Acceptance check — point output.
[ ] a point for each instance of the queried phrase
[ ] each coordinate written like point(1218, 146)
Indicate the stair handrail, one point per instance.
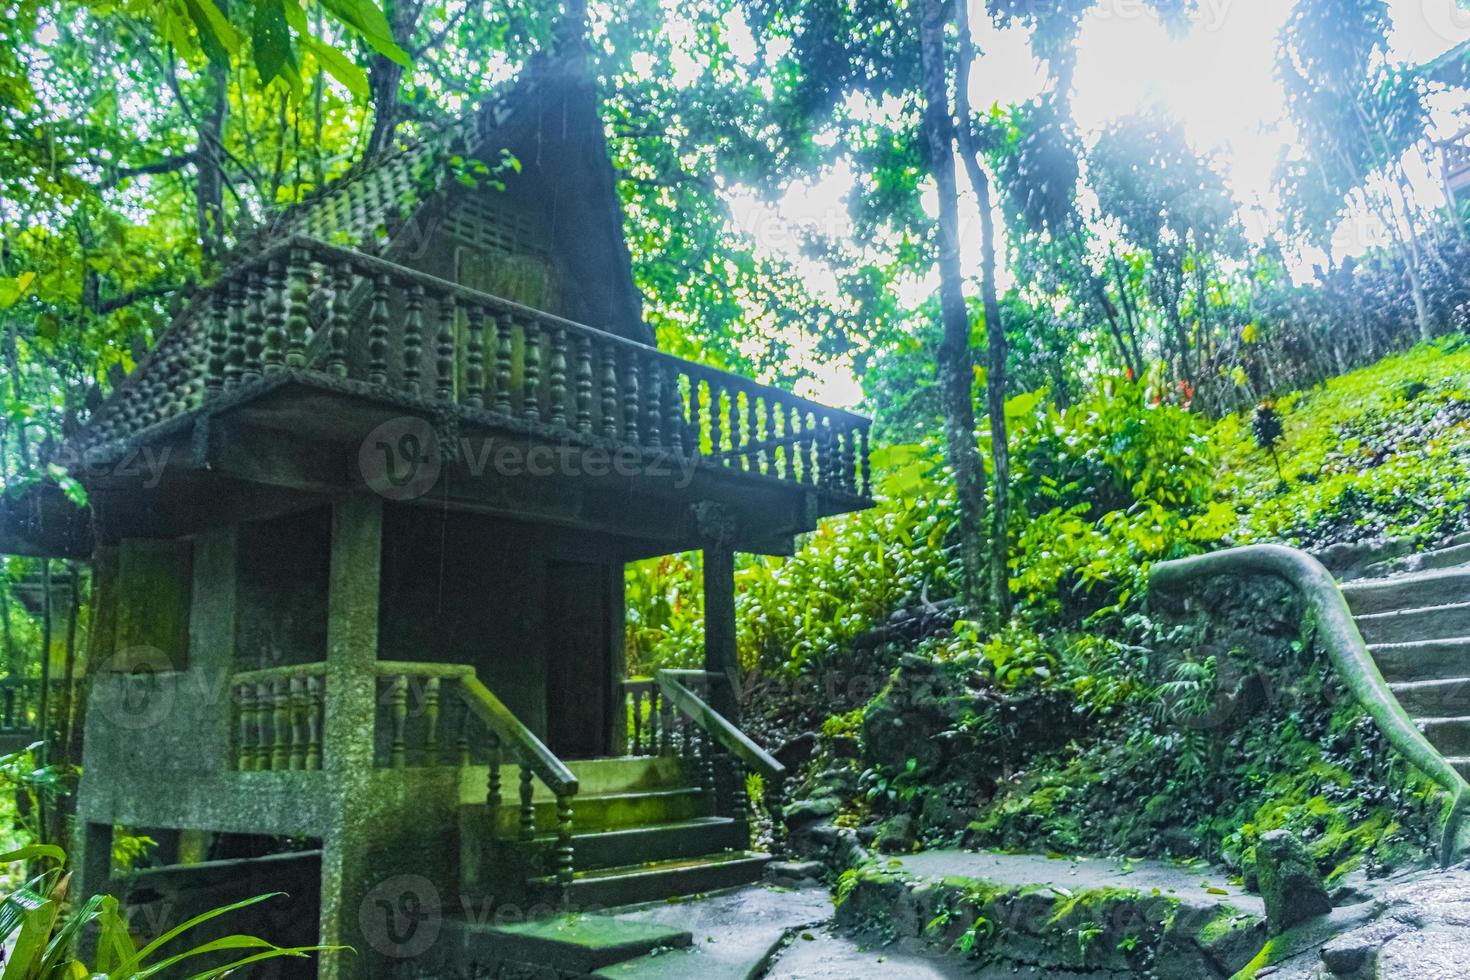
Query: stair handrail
point(716, 725)
point(1346, 649)
point(533, 753)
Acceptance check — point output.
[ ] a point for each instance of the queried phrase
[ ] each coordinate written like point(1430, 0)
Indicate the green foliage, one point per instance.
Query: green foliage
point(846, 577)
point(42, 931)
point(1105, 487)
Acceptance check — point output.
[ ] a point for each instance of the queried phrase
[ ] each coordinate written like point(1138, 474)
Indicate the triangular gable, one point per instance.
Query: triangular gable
point(412, 208)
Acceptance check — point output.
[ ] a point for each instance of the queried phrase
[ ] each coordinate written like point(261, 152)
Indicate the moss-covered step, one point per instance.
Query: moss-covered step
point(656, 880)
point(1445, 698)
point(573, 945)
point(1455, 554)
point(607, 811)
point(595, 777)
point(1026, 912)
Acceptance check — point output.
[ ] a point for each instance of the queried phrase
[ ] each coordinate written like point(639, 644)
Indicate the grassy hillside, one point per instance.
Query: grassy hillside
point(1381, 451)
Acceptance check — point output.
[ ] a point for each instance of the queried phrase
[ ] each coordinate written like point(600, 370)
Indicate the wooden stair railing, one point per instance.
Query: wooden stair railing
point(667, 716)
point(502, 738)
point(278, 724)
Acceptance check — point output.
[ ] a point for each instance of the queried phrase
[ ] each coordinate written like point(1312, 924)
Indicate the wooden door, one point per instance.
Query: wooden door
point(579, 660)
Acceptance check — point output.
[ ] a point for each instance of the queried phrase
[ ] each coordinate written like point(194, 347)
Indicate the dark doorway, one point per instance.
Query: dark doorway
point(578, 659)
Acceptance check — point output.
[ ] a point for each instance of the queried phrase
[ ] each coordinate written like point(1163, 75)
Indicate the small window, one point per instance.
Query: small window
point(154, 587)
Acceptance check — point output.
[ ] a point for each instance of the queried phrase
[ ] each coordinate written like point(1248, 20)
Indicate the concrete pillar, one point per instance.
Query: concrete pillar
point(720, 656)
point(347, 728)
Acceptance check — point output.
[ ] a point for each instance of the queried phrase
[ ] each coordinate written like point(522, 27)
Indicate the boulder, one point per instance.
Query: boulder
point(1290, 885)
point(897, 835)
point(797, 751)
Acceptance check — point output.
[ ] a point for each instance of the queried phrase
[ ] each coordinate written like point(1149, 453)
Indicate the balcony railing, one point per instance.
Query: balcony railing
point(363, 323)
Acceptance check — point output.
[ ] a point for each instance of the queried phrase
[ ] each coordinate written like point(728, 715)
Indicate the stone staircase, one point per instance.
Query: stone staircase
point(1414, 614)
point(646, 829)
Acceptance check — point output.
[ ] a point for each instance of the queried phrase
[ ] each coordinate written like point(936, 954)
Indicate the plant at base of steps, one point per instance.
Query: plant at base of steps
point(41, 930)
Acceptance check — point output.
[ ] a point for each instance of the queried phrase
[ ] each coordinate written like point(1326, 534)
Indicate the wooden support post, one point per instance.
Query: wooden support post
point(720, 656)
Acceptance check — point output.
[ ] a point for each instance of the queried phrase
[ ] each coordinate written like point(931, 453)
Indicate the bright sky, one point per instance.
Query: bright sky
point(1218, 77)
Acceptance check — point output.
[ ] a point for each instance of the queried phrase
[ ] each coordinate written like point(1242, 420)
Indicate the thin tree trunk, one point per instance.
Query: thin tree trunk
point(995, 334)
point(956, 369)
point(209, 193)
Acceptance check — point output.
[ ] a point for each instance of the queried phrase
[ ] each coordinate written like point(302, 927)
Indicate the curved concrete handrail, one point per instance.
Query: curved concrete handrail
point(1345, 646)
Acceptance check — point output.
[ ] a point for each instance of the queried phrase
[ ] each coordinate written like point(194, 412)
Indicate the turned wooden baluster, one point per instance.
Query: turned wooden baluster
point(753, 454)
point(582, 383)
point(707, 765)
point(564, 848)
point(398, 712)
point(314, 707)
point(444, 349)
point(474, 358)
point(768, 459)
point(775, 804)
point(413, 338)
point(528, 807)
point(235, 327)
point(337, 316)
point(462, 744)
point(630, 398)
point(254, 327)
point(377, 344)
point(716, 419)
point(281, 715)
point(809, 464)
point(245, 696)
point(737, 439)
point(531, 395)
point(739, 799)
point(492, 789)
point(654, 413)
point(264, 724)
point(431, 721)
point(504, 358)
point(219, 340)
point(298, 293)
point(696, 425)
point(636, 695)
point(274, 357)
point(864, 463)
point(674, 415)
point(556, 379)
point(609, 391)
point(297, 708)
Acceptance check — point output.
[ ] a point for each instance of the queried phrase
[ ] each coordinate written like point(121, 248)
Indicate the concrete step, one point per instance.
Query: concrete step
point(595, 777)
point(1434, 699)
point(1451, 736)
point(1416, 625)
point(1456, 553)
point(1442, 587)
point(660, 842)
point(558, 946)
point(1431, 660)
point(607, 811)
point(1461, 763)
point(659, 880)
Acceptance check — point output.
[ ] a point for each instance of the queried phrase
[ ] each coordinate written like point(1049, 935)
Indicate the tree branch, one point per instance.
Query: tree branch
point(113, 303)
point(167, 165)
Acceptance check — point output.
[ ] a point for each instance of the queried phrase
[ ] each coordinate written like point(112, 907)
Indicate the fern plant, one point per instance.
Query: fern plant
point(39, 930)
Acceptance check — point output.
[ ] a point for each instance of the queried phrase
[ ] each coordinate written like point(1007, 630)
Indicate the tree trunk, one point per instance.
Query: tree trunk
point(956, 368)
point(995, 334)
point(209, 185)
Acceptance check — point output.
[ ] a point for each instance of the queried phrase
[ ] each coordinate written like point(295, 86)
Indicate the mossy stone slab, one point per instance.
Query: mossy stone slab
point(581, 944)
